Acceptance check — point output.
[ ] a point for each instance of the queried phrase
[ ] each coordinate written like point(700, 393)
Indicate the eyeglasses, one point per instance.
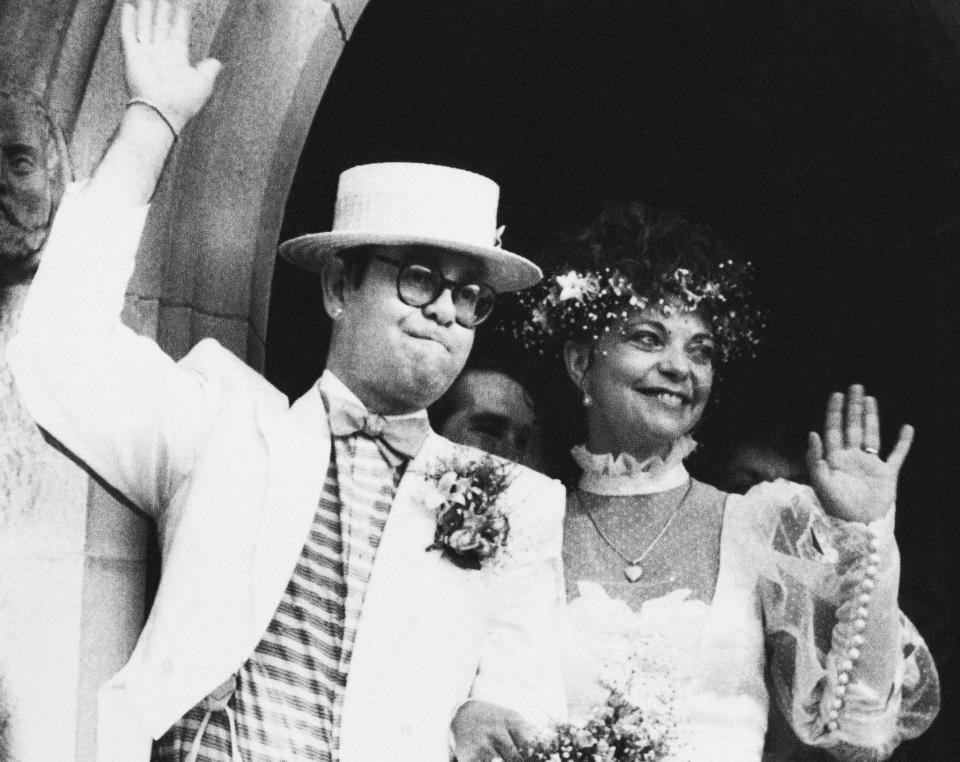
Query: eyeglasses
point(419, 285)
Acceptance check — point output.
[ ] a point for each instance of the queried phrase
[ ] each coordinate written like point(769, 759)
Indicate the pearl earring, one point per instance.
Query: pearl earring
point(587, 399)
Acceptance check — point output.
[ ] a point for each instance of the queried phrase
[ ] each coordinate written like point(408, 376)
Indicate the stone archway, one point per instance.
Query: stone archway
point(204, 269)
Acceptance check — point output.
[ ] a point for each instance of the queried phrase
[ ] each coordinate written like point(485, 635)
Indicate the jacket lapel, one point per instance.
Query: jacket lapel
point(409, 590)
point(402, 566)
point(299, 446)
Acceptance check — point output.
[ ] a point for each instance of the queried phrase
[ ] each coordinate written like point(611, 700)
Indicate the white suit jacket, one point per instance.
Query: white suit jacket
point(232, 474)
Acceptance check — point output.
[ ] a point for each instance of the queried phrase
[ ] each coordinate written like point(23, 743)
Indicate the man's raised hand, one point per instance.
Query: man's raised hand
point(156, 49)
point(163, 87)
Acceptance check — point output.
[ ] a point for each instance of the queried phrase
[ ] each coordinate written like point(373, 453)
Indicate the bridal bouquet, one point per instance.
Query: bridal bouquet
point(622, 669)
point(618, 732)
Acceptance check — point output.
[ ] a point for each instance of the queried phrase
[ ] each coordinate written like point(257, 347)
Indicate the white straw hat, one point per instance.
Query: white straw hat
point(403, 204)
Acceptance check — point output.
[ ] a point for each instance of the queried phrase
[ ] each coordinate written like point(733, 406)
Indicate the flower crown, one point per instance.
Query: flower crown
point(582, 304)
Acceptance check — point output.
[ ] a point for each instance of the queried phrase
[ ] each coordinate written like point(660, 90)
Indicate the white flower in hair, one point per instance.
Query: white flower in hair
point(539, 318)
point(573, 285)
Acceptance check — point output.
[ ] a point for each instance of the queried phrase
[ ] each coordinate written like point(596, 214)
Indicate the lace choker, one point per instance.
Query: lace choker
point(625, 475)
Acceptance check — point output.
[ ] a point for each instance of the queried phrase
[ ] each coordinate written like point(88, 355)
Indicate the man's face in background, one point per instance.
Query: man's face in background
point(30, 183)
point(492, 412)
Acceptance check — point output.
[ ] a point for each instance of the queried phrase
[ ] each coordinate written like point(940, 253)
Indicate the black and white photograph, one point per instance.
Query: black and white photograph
point(479, 380)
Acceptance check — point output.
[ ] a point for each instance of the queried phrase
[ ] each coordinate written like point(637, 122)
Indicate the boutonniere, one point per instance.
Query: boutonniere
point(472, 526)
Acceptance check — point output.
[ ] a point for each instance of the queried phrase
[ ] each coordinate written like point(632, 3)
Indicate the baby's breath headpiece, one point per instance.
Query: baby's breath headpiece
point(664, 262)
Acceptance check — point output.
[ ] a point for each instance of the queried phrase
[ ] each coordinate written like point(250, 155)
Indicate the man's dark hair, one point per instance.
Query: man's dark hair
point(356, 261)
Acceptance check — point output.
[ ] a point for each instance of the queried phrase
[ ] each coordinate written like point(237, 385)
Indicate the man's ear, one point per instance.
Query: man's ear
point(336, 284)
point(577, 357)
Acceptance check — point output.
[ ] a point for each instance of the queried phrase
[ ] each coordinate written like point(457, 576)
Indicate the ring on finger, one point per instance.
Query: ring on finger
point(871, 450)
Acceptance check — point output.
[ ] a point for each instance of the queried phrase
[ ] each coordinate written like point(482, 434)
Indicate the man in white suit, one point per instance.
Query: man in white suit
point(299, 613)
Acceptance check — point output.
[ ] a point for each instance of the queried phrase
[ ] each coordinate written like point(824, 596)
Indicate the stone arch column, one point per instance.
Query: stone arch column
point(206, 259)
point(204, 269)
point(219, 213)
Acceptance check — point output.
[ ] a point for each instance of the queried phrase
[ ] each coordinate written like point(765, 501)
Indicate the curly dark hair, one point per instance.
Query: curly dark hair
point(644, 242)
point(631, 257)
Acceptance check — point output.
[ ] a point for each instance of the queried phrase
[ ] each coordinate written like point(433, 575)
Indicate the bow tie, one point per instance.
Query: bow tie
point(397, 438)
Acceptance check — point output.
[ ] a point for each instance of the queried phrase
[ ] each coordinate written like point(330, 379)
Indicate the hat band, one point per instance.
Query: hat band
point(450, 217)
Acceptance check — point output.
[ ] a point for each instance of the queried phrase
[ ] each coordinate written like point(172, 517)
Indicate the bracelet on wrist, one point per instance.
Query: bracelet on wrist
point(158, 111)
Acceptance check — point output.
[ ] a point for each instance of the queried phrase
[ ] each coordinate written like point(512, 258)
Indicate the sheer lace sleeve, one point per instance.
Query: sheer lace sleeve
point(849, 672)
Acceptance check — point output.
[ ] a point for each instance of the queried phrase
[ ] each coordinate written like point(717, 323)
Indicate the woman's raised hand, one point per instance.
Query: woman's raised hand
point(850, 478)
point(156, 48)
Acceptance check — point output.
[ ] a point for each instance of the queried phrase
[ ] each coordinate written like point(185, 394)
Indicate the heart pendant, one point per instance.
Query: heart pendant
point(632, 572)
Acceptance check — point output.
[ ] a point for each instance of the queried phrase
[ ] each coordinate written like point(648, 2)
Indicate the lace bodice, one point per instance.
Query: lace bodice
point(787, 599)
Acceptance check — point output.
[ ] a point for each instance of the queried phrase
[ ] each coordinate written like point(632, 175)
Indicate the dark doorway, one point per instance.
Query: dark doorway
point(821, 139)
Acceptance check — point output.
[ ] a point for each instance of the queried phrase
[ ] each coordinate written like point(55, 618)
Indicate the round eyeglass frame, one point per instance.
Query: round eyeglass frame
point(439, 284)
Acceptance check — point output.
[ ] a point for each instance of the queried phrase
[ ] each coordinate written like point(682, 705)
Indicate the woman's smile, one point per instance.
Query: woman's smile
point(648, 381)
point(667, 397)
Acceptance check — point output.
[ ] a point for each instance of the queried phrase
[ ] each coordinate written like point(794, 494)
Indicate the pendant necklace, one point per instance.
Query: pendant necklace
point(633, 571)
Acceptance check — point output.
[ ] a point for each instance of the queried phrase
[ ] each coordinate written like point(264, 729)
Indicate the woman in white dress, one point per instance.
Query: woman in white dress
point(717, 603)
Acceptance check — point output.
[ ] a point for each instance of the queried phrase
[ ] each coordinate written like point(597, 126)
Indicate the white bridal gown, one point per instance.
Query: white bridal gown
point(800, 608)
